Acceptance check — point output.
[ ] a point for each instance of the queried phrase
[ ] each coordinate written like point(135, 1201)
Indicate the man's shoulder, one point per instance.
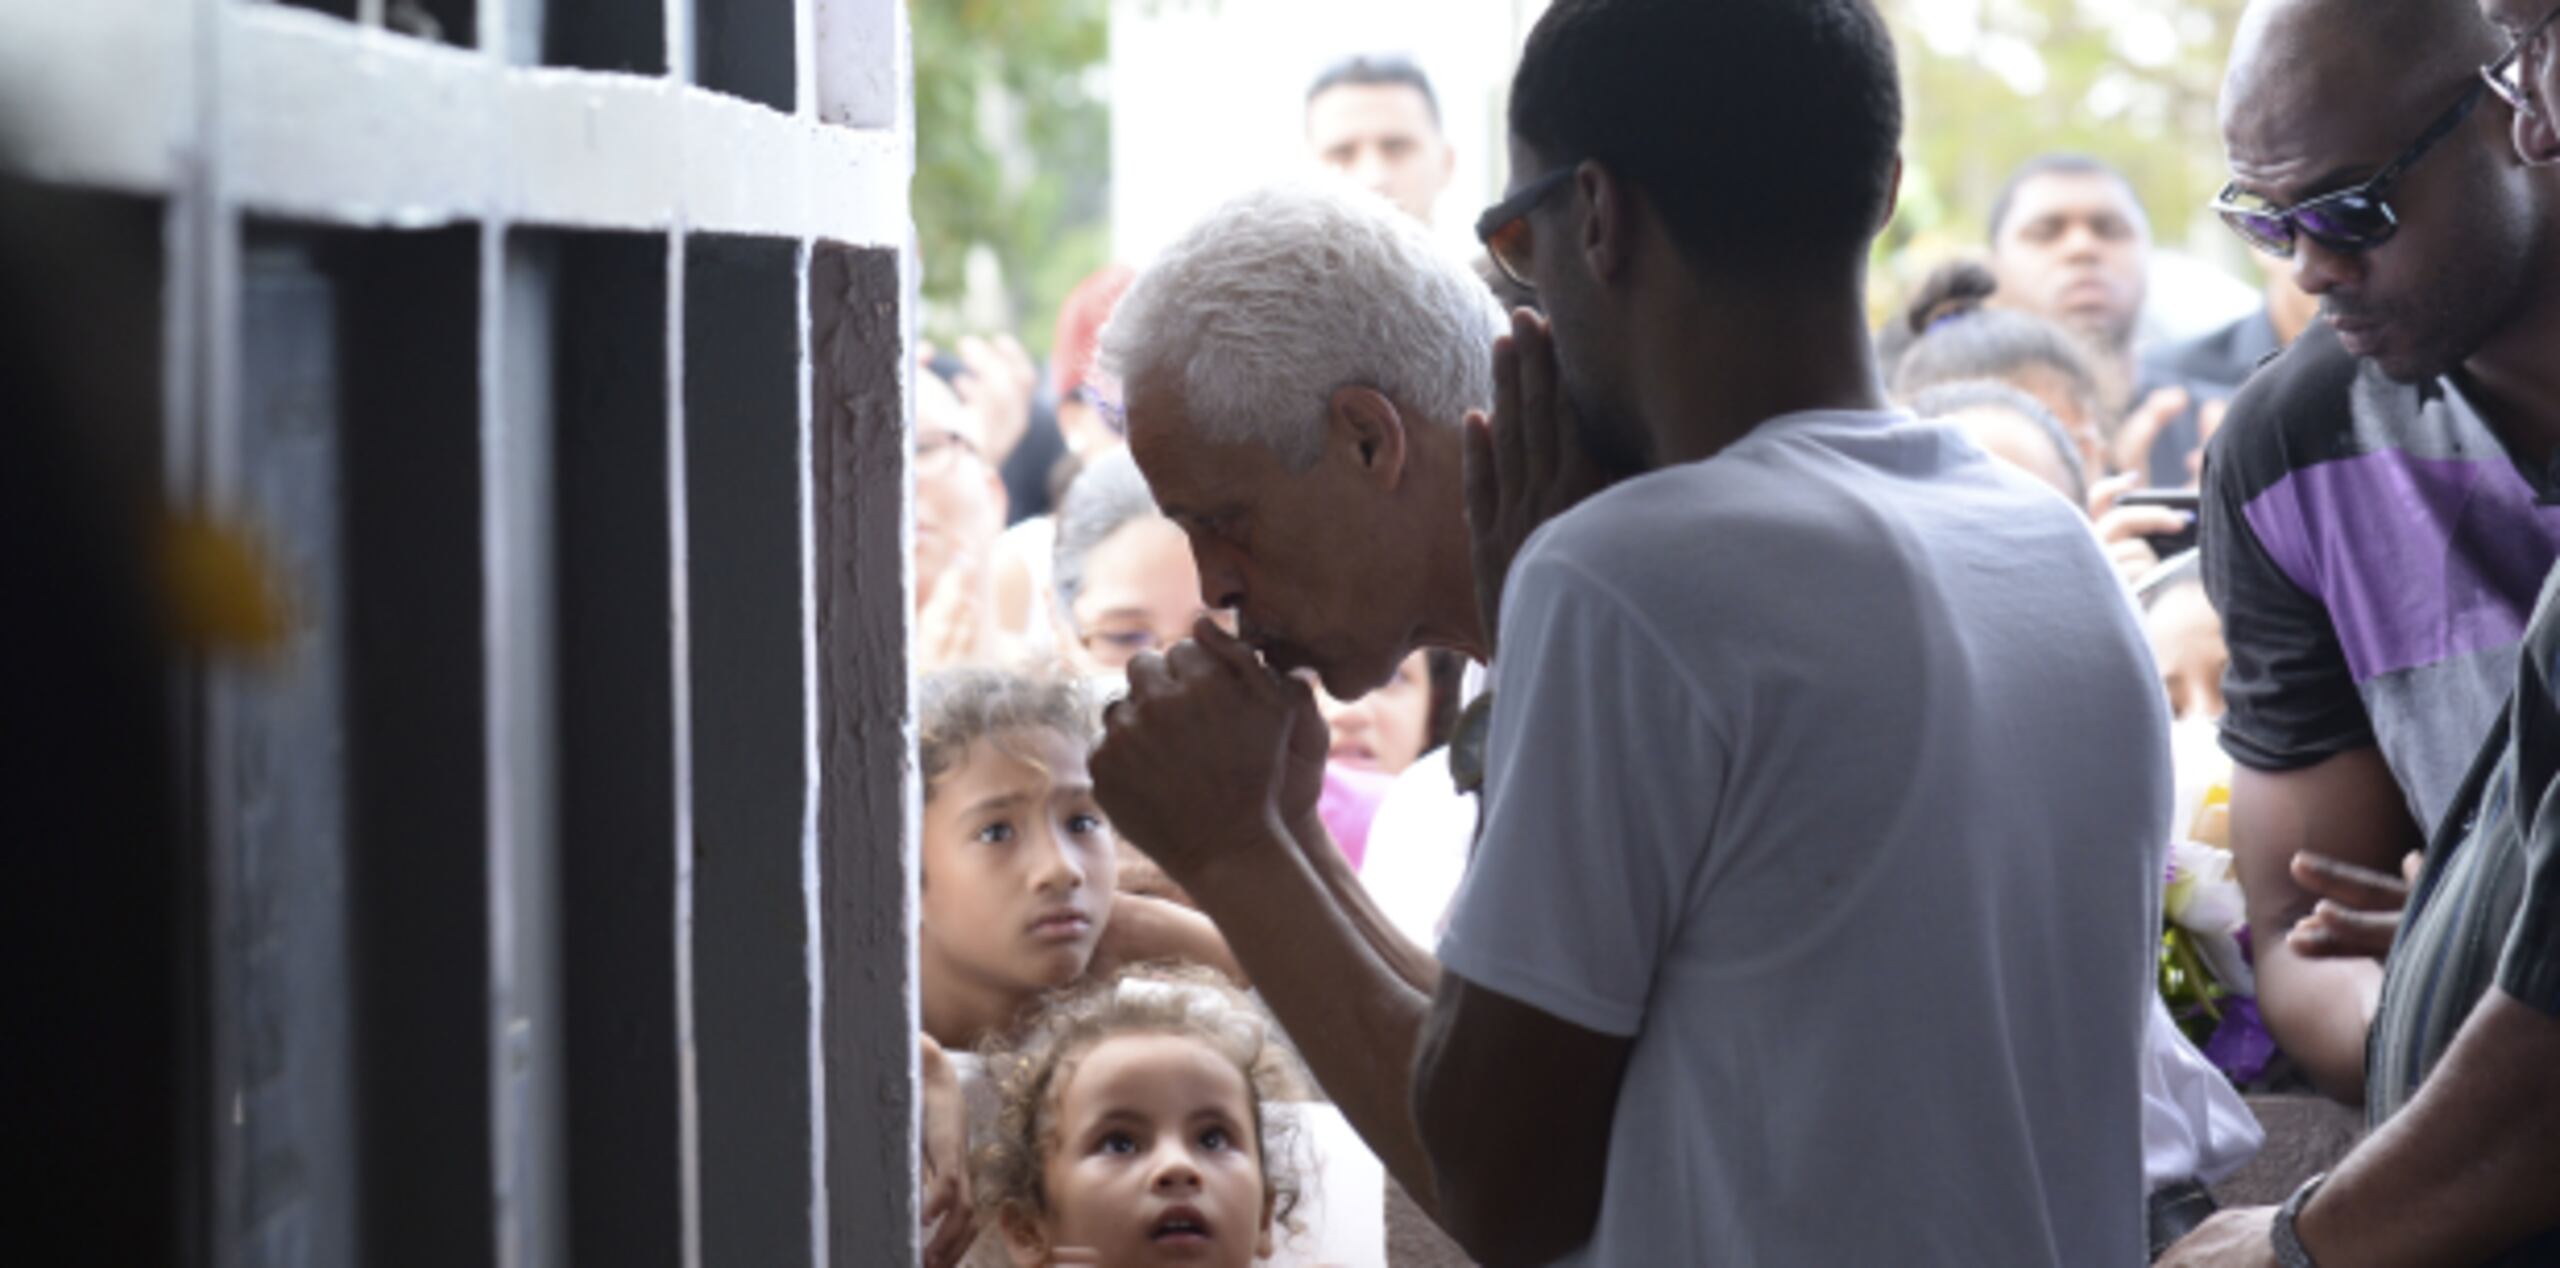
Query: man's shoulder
point(1697, 521)
point(2299, 409)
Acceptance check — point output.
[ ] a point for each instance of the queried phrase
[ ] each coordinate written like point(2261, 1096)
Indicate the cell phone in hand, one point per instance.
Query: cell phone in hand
point(2184, 501)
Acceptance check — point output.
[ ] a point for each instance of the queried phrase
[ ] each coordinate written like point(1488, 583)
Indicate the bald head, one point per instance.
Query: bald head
point(2324, 95)
point(2386, 56)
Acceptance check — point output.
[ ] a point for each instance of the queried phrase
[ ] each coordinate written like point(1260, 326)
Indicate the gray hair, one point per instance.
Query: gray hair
point(1280, 297)
point(1106, 497)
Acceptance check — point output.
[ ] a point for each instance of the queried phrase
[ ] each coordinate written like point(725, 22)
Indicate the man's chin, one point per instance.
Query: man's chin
point(2399, 362)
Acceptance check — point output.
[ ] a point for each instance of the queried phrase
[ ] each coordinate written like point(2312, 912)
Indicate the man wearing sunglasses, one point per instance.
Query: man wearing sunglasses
point(2381, 513)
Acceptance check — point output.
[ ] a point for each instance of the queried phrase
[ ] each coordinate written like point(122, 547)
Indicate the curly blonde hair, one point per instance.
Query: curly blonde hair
point(1032, 1072)
point(956, 708)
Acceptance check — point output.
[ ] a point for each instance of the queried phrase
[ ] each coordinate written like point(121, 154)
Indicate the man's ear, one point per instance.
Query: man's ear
point(1368, 426)
point(2537, 138)
point(1607, 230)
point(1892, 195)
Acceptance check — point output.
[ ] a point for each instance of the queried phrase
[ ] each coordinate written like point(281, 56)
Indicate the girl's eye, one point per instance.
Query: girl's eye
point(997, 833)
point(1116, 1143)
point(1216, 1138)
point(1084, 824)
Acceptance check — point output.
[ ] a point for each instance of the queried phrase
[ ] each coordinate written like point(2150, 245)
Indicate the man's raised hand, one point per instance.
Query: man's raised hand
point(1525, 464)
point(2359, 909)
point(1208, 742)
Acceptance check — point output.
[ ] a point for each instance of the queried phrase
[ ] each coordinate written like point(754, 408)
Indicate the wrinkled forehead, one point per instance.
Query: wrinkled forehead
point(1190, 474)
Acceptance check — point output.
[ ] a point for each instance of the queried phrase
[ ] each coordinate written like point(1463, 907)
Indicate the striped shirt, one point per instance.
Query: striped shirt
point(2487, 910)
point(2374, 552)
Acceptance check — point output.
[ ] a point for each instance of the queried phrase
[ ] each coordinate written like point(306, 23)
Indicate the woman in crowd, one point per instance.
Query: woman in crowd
point(1959, 340)
point(2009, 424)
point(960, 509)
point(1958, 337)
point(1123, 571)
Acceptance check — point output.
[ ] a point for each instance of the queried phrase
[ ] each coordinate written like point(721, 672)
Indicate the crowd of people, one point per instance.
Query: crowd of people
point(1690, 776)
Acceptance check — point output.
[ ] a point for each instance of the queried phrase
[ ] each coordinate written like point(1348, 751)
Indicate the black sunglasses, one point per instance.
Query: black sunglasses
point(2506, 75)
point(2357, 218)
point(1504, 226)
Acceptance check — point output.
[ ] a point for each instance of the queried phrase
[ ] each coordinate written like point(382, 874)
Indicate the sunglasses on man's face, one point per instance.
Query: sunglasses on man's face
point(1504, 227)
point(2357, 218)
point(2506, 75)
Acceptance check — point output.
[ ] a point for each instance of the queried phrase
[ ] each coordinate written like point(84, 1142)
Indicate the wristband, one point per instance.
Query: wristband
point(2288, 1242)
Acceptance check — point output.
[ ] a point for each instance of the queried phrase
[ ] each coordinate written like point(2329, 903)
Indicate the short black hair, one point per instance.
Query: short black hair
point(1376, 70)
point(1764, 132)
point(2042, 165)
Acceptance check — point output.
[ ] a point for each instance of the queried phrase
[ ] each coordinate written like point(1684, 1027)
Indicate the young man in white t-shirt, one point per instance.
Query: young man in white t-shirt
point(1813, 915)
point(1809, 791)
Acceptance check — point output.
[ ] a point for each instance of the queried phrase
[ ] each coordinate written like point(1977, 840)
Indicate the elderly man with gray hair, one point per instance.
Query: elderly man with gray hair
point(1296, 371)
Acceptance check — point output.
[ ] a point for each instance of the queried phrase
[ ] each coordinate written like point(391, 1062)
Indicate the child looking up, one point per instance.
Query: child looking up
point(1132, 1129)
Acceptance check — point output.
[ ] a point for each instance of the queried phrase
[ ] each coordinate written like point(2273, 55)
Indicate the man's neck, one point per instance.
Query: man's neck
point(1709, 373)
point(2514, 380)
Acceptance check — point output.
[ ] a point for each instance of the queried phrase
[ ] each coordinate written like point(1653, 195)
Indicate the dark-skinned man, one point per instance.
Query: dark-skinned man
point(2462, 1060)
point(2374, 520)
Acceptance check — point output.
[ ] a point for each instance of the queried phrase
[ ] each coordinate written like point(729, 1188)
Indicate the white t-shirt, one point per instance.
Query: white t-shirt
point(2194, 1126)
point(1832, 771)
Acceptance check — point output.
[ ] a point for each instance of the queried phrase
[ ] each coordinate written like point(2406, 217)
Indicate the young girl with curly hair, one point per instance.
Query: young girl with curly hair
point(1133, 1128)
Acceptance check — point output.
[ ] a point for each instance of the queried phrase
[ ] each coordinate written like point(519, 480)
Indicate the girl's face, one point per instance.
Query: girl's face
point(2186, 640)
point(1018, 868)
point(1384, 730)
point(1153, 1160)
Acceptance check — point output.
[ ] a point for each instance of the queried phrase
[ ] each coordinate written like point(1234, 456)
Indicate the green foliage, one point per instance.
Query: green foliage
point(1013, 143)
point(2131, 81)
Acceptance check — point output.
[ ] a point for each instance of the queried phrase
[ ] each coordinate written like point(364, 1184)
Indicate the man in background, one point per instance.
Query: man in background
point(2070, 243)
point(1374, 119)
point(2381, 512)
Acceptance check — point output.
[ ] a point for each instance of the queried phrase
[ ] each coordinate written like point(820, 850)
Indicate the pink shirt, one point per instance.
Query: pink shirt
point(1350, 801)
